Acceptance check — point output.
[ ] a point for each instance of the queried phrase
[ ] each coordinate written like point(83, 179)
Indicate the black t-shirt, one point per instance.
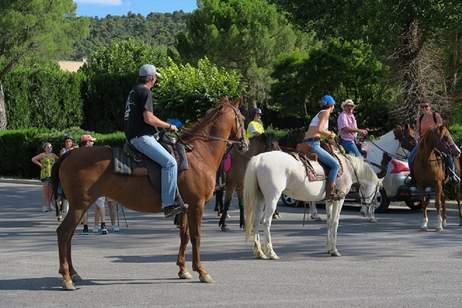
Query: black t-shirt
point(139, 99)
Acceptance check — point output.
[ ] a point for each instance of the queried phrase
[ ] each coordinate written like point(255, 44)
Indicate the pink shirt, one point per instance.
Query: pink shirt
point(428, 123)
point(346, 120)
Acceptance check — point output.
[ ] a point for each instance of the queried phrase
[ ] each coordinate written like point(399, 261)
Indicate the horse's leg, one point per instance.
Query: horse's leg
point(443, 209)
point(228, 197)
point(241, 208)
point(65, 232)
point(257, 249)
point(219, 201)
point(184, 239)
point(371, 213)
point(332, 228)
point(314, 211)
point(268, 216)
point(438, 195)
point(424, 202)
point(195, 223)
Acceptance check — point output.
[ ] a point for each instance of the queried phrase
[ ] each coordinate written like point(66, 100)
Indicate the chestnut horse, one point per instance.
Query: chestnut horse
point(235, 177)
point(86, 174)
point(429, 170)
point(405, 136)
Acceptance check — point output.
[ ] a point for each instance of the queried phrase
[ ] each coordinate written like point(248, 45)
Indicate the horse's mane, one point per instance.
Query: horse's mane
point(428, 134)
point(202, 123)
point(363, 169)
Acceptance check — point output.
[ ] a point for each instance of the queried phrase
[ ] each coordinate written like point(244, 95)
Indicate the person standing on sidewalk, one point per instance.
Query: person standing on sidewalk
point(45, 161)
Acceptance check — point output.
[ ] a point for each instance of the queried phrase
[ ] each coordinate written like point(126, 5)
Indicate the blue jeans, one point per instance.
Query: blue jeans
point(149, 146)
point(350, 147)
point(325, 158)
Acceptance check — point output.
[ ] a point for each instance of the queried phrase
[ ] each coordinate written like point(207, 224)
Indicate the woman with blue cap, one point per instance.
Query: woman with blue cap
point(319, 126)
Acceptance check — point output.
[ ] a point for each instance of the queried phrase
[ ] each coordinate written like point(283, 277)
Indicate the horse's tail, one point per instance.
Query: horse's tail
point(251, 194)
point(55, 174)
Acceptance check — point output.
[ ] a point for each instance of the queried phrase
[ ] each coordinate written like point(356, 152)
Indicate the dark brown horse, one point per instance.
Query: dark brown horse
point(429, 171)
point(86, 174)
point(235, 176)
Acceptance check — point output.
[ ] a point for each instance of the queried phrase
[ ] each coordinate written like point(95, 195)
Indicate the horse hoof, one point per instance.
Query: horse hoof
point(206, 278)
point(373, 220)
point(335, 253)
point(439, 229)
point(76, 277)
point(224, 228)
point(316, 217)
point(68, 285)
point(275, 257)
point(185, 275)
point(261, 256)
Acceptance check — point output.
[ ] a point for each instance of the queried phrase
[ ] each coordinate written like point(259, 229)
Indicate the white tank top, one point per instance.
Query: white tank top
point(315, 121)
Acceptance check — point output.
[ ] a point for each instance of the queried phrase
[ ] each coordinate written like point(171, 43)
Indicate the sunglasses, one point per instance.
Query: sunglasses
point(424, 106)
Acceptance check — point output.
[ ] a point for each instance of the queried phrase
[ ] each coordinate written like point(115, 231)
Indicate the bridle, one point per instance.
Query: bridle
point(242, 142)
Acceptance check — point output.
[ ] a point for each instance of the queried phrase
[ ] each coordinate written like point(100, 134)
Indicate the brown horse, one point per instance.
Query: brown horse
point(235, 177)
point(405, 136)
point(429, 171)
point(86, 174)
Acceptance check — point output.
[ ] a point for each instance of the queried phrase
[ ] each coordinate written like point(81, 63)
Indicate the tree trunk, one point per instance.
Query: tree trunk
point(454, 64)
point(3, 120)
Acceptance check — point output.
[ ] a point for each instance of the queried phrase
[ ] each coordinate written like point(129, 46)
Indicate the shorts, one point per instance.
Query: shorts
point(100, 202)
point(46, 180)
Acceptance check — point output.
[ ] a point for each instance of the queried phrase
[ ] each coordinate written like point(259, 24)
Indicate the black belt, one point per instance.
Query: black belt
point(312, 139)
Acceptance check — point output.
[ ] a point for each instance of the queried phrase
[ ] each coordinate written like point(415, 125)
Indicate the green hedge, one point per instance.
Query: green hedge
point(185, 92)
point(456, 132)
point(19, 146)
point(43, 96)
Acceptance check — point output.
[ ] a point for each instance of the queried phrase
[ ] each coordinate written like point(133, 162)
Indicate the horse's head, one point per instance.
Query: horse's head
point(238, 128)
point(440, 139)
point(405, 135)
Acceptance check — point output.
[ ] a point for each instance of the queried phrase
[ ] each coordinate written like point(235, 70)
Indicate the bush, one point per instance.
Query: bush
point(183, 92)
point(19, 146)
point(43, 96)
point(456, 132)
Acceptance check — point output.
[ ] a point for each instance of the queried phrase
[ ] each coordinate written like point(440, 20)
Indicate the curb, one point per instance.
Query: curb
point(20, 181)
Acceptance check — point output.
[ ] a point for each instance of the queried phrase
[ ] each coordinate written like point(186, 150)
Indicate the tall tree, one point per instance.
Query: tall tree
point(406, 30)
point(36, 29)
point(246, 35)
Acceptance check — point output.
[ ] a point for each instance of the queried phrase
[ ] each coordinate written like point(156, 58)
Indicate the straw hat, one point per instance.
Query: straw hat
point(348, 102)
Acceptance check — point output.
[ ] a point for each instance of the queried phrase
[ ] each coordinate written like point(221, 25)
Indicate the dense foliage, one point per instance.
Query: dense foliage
point(156, 29)
point(43, 96)
point(19, 146)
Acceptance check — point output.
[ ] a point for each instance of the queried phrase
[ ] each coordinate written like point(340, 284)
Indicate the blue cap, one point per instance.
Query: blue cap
point(175, 122)
point(327, 101)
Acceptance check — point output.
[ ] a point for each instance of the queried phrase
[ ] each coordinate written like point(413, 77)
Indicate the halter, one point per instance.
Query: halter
point(243, 143)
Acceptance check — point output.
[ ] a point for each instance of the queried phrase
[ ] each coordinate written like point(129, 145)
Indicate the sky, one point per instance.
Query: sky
point(101, 8)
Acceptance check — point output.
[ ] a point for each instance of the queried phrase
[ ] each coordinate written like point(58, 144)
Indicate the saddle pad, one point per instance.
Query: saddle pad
point(122, 164)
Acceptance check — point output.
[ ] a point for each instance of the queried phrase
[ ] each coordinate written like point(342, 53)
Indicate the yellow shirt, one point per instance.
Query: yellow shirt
point(47, 163)
point(255, 128)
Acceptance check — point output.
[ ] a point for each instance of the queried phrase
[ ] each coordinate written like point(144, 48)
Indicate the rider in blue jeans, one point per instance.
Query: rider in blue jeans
point(348, 128)
point(319, 126)
point(140, 123)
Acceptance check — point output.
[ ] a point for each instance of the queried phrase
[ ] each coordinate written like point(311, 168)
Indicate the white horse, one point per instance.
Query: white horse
point(269, 174)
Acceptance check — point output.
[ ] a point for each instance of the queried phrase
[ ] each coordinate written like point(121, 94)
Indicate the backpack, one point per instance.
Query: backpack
point(420, 120)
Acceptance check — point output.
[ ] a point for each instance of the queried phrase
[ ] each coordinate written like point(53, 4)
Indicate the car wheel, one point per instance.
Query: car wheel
point(288, 201)
point(413, 205)
point(382, 201)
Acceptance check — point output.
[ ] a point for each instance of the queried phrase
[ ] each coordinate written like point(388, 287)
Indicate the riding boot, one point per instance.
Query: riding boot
point(176, 208)
point(332, 193)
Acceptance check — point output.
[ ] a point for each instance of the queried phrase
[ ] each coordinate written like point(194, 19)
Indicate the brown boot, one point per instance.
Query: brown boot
point(333, 194)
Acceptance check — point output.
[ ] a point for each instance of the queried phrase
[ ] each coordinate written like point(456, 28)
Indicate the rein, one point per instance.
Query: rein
point(396, 155)
point(363, 198)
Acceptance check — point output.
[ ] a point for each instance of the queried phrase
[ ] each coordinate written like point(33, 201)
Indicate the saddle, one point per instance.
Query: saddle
point(129, 161)
point(315, 170)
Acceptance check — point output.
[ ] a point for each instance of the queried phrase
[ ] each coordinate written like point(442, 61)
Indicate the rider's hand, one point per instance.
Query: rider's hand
point(363, 132)
point(173, 128)
point(332, 135)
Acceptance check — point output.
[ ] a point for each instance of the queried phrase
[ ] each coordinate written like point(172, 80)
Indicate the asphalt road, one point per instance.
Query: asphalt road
point(388, 264)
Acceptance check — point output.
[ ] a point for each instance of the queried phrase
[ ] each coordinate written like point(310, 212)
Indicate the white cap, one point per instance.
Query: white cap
point(148, 70)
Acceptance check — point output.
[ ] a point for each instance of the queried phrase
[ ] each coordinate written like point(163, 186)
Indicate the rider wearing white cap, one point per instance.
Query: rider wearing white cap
point(140, 122)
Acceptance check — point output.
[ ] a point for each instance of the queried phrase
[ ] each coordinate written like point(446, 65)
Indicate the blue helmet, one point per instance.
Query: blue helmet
point(327, 101)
